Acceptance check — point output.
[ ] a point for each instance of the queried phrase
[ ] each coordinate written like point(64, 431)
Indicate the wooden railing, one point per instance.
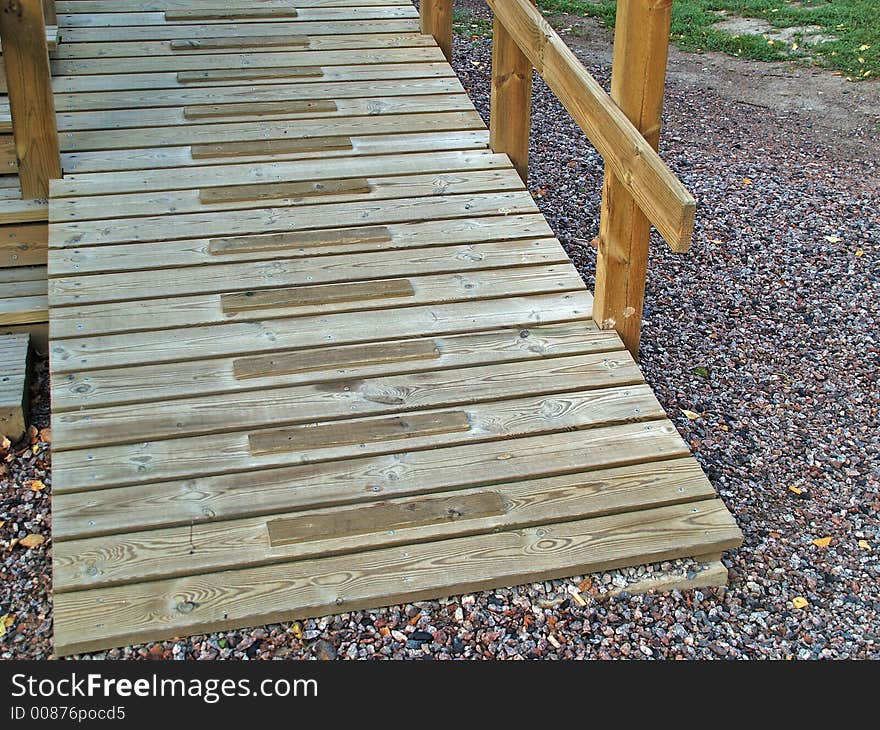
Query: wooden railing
point(29, 86)
point(639, 188)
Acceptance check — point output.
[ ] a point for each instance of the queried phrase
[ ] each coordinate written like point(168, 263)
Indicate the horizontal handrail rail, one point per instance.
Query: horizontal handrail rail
point(658, 192)
point(640, 189)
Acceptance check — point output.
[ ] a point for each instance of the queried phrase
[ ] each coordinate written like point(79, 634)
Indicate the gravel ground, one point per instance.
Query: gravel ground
point(767, 331)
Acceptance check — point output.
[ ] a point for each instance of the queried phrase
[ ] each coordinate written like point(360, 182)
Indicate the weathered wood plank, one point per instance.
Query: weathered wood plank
point(383, 517)
point(130, 614)
point(165, 382)
point(14, 368)
point(342, 399)
point(209, 546)
point(316, 295)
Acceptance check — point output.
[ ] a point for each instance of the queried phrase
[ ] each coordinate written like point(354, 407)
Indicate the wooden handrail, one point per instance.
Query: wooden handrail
point(29, 86)
point(639, 188)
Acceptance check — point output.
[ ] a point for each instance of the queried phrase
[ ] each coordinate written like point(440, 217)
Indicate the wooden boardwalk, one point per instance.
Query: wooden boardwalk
point(313, 345)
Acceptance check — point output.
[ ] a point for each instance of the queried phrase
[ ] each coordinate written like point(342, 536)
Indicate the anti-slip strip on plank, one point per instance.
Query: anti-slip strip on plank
point(189, 44)
point(249, 74)
point(244, 109)
point(278, 191)
point(344, 433)
point(316, 295)
point(306, 239)
point(230, 14)
point(334, 358)
point(270, 147)
point(384, 517)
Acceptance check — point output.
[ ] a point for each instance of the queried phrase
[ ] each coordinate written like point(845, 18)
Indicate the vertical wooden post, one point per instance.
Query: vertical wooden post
point(511, 109)
point(436, 20)
point(49, 15)
point(641, 42)
point(28, 79)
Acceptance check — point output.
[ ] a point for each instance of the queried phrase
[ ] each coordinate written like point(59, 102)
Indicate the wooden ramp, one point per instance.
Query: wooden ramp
point(313, 346)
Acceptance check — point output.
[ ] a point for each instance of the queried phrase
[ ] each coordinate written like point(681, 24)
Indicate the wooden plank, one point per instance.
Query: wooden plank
point(511, 99)
point(252, 74)
point(303, 332)
point(26, 60)
point(274, 191)
point(321, 402)
point(23, 310)
point(303, 217)
point(198, 310)
point(316, 295)
point(658, 192)
point(208, 546)
point(305, 239)
point(318, 486)
point(140, 53)
point(335, 358)
point(249, 74)
point(269, 147)
point(384, 517)
point(230, 13)
point(8, 155)
point(238, 35)
point(107, 468)
point(253, 14)
point(132, 614)
point(346, 433)
point(14, 369)
point(162, 382)
point(324, 192)
point(28, 288)
point(203, 135)
point(265, 112)
point(280, 171)
point(170, 254)
point(23, 274)
point(222, 277)
point(177, 158)
point(23, 244)
point(641, 41)
point(374, 90)
point(127, 6)
point(23, 211)
point(206, 111)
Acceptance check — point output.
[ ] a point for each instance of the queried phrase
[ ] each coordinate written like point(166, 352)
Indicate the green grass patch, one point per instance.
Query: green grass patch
point(854, 23)
point(465, 22)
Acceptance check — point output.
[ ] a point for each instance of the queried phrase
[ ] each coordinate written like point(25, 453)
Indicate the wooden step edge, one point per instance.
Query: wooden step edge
point(91, 620)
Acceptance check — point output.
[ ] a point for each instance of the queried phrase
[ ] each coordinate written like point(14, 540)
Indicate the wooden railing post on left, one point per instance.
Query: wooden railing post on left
point(435, 17)
point(29, 86)
point(638, 77)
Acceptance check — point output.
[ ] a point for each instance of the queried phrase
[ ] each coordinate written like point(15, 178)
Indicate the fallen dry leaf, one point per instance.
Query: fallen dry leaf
point(833, 239)
point(33, 540)
point(690, 414)
point(46, 435)
point(822, 542)
point(747, 181)
point(864, 545)
point(35, 485)
point(800, 602)
point(585, 584)
point(297, 630)
point(796, 490)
